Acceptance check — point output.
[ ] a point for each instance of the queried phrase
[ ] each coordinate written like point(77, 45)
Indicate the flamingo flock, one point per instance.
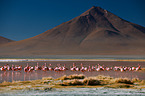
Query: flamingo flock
point(13, 68)
point(60, 67)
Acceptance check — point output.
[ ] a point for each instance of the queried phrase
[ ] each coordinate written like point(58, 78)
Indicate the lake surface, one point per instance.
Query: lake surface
point(23, 76)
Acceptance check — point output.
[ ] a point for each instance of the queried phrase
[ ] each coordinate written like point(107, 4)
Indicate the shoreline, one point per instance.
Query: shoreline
point(36, 60)
point(73, 81)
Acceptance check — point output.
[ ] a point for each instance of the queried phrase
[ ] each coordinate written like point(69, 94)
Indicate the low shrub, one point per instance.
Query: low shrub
point(91, 81)
point(76, 76)
point(100, 77)
point(47, 78)
point(123, 80)
point(72, 82)
point(135, 80)
point(63, 78)
point(142, 82)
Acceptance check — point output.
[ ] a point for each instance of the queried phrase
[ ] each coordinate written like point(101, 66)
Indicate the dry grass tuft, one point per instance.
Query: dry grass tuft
point(70, 77)
point(134, 80)
point(63, 78)
point(76, 76)
point(72, 82)
point(123, 80)
point(100, 77)
point(142, 69)
point(119, 86)
point(76, 82)
point(142, 82)
point(91, 81)
point(47, 78)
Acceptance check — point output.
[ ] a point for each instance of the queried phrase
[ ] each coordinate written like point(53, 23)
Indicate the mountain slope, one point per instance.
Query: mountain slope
point(4, 40)
point(94, 32)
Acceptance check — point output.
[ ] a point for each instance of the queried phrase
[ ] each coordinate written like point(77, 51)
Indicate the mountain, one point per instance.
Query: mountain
point(4, 40)
point(95, 32)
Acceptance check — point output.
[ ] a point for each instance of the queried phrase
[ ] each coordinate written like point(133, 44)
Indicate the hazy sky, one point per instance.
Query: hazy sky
point(21, 19)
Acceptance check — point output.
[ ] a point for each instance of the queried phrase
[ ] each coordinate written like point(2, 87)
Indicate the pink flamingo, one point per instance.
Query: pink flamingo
point(93, 68)
point(64, 68)
point(83, 68)
point(107, 68)
point(20, 67)
point(138, 68)
point(14, 68)
point(57, 68)
point(3, 69)
point(73, 68)
point(121, 69)
point(133, 68)
point(26, 68)
point(50, 68)
point(45, 68)
point(30, 69)
point(38, 67)
point(89, 69)
point(8, 67)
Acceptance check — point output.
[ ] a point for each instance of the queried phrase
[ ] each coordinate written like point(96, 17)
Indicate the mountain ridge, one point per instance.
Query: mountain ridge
point(4, 40)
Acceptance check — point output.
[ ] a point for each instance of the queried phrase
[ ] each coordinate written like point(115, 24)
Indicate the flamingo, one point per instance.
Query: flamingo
point(138, 68)
point(100, 68)
point(19, 67)
point(125, 68)
point(5, 66)
point(14, 68)
point(26, 68)
point(50, 68)
point(83, 68)
point(133, 68)
point(116, 68)
point(73, 68)
point(45, 68)
point(121, 69)
point(129, 68)
point(57, 68)
point(107, 68)
point(64, 68)
point(8, 67)
point(3, 69)
point(93, 68)
point(89, 69)
point(38, 67)
point(31, 69)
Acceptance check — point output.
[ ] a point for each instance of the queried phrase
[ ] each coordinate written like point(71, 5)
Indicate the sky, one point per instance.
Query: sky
point(22, 19)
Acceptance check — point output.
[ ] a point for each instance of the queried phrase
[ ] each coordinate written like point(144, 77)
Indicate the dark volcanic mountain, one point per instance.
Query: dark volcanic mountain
point(95, 32)
point(4, 40)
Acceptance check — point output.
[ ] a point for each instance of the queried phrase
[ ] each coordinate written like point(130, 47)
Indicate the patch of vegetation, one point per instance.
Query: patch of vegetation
point(91, 81)
point(71, 82)
point(142, 69)
point(77, 80)
point(142, 82)
point(76, 76)
point(123, 80)
point(47, 78)
point(100, 77)
point(135, 80)
point(70, 77)
point(119, 85)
